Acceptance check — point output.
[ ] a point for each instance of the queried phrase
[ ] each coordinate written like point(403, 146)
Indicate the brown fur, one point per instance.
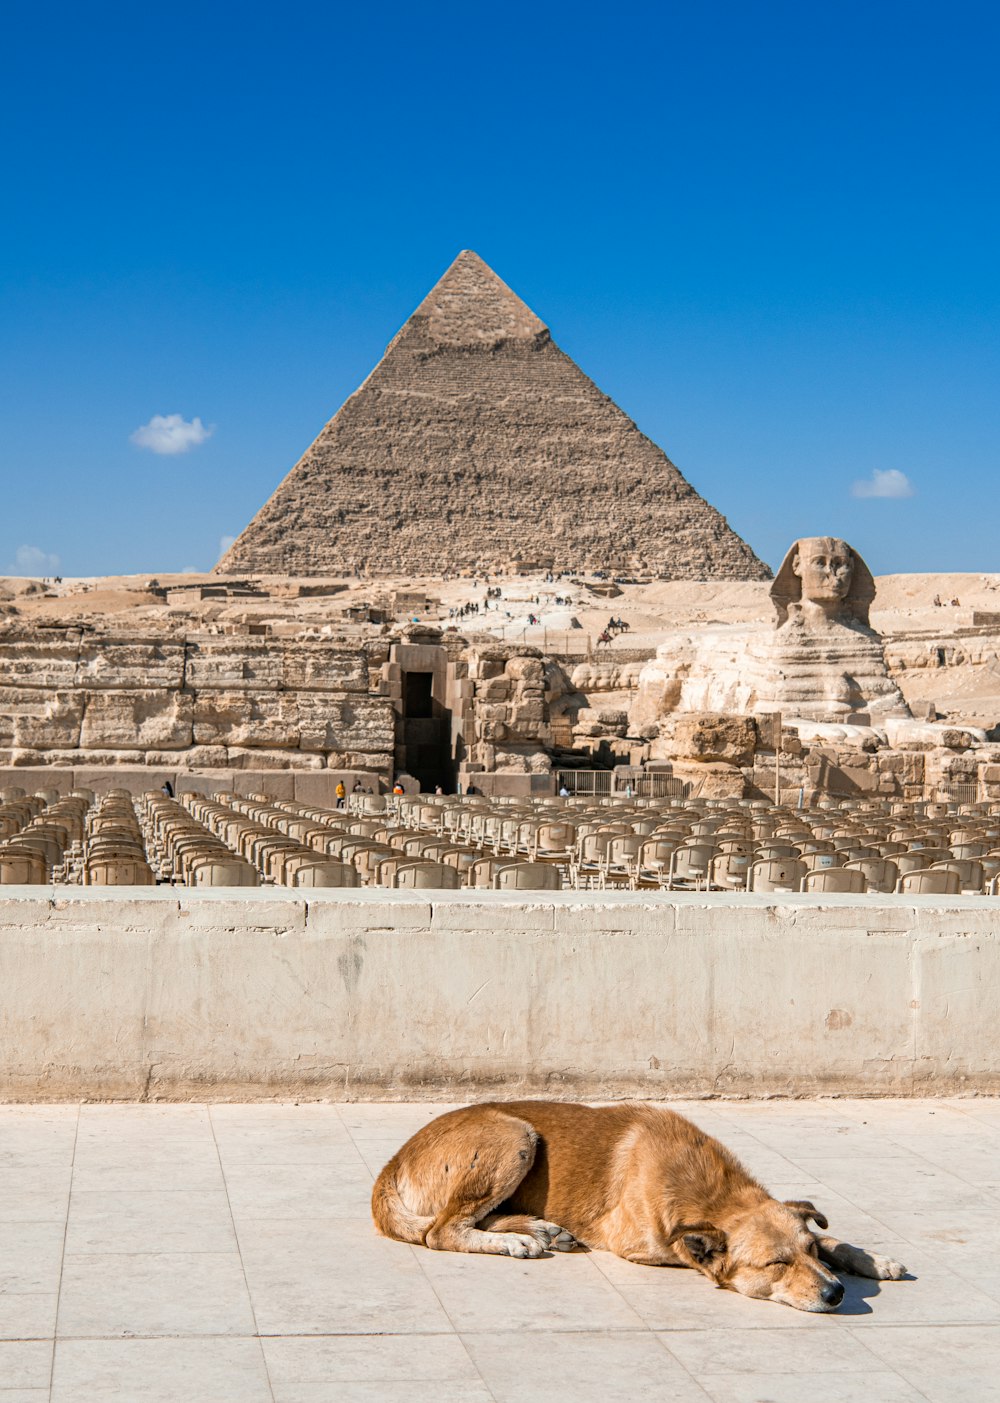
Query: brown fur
point(519, 1177)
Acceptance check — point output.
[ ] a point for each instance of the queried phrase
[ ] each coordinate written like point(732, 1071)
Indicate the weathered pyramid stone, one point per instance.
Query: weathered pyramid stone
point(476, 442)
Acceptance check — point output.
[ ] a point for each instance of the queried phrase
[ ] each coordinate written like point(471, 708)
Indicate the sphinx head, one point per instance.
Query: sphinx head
point(823, 580)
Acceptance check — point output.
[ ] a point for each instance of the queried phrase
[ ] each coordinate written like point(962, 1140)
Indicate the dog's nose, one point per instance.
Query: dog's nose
point(833, 1294)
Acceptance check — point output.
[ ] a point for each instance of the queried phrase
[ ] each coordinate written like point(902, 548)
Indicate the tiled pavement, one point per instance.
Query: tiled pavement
point(224, 1254)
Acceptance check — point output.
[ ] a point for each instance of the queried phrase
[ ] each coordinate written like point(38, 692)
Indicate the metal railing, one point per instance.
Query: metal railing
point(962, 792)
point(642, 784)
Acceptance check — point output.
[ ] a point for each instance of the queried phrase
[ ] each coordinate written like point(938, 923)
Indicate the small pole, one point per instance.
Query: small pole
point(777, 758)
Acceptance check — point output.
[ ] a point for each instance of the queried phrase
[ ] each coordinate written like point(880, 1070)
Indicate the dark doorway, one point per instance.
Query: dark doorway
point(423, 736)
point(418, 695)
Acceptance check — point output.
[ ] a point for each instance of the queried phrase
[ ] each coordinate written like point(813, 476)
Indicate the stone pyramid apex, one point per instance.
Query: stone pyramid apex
point(470, 306)
point(476, 442)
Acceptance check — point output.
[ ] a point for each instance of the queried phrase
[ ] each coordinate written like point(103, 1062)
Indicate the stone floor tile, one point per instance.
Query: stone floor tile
point(24, 1395)
point(913, 1181)
point(389, 1119)
point(31, 1316)
point(159, 1371)
point(974, 1226)
point(834, 1387)
point(335, 1277)
point(29, 1142)
point(142, 1154)
point(147, 1113)
point(150, 1220)
point(35, 1195)
point(599, 1366)
point(771, 1351)
point(379, 1391)
point(30, 1257)
point(354, 1358)
point(305, 1142)
point(341, 1189)
point(935, 1296)
point(150, 1171)
point(24, 1364)
point(561, 1292)
point(179, 1293)
point(273, 1112)
point(946, 1362)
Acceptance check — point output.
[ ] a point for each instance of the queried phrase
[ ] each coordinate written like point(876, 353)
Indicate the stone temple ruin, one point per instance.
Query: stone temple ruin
point(476, 442)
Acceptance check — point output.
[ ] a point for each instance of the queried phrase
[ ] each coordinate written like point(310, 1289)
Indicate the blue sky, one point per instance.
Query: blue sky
point(768, 230)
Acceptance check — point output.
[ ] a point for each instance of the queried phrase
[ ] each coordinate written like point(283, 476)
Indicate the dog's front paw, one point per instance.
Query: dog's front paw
point(885, 1269)
point(522, 1245)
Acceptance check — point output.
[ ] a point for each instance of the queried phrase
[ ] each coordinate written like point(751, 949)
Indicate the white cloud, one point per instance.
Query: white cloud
point(192, 570)
point(29, 560)
point(224, 543)
point(171, 433)
point(887, 482)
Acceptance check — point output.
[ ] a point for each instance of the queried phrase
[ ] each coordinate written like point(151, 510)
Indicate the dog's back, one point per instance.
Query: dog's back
point(587, 1160)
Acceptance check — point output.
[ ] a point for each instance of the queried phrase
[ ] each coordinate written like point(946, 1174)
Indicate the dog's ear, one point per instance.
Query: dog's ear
point(807, 1210)
point(704, 1241)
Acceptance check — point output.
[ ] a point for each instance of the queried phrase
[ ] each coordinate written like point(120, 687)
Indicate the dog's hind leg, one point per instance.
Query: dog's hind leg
point(478, 1186)
point(856, 1261)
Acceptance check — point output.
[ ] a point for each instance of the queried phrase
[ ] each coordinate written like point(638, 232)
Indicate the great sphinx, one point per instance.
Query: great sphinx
point(823, 659)
point(818, 658)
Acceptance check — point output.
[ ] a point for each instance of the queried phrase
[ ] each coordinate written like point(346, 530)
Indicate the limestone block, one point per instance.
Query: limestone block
point(322, 666)
point(361, 723)
point(136, 720)
point(345, 761)
point(709, 737)
point(236, 718)
point(203, 757)
point(493, 689)
point(130, 663)
point(527, 712)
point(526, 670)
point(492, 712)
point(260, 759)
point(54, 726)
point(233, 664)
point(482, 666)
point(46, 662)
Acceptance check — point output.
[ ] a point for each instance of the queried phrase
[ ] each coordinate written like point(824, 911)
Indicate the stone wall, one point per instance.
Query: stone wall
point(152, 994)
point(70, 697)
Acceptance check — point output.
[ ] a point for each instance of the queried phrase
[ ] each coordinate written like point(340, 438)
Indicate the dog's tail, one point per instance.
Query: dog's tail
point(392, 1217)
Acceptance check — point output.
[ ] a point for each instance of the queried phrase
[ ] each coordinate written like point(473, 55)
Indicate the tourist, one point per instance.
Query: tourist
point(341, 793)
point(167, 788)
point(563, 791)
point(397, 788)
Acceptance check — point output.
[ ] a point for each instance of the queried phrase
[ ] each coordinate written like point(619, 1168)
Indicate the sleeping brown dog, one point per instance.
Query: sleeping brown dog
point(517, 1178)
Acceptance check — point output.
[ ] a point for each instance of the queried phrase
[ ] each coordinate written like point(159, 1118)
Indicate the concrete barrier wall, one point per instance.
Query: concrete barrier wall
point(162, 994)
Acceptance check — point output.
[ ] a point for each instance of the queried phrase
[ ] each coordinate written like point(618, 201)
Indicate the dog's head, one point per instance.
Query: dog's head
point(766, 1251)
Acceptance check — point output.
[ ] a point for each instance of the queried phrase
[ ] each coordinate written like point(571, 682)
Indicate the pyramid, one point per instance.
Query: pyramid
point(476, 443)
